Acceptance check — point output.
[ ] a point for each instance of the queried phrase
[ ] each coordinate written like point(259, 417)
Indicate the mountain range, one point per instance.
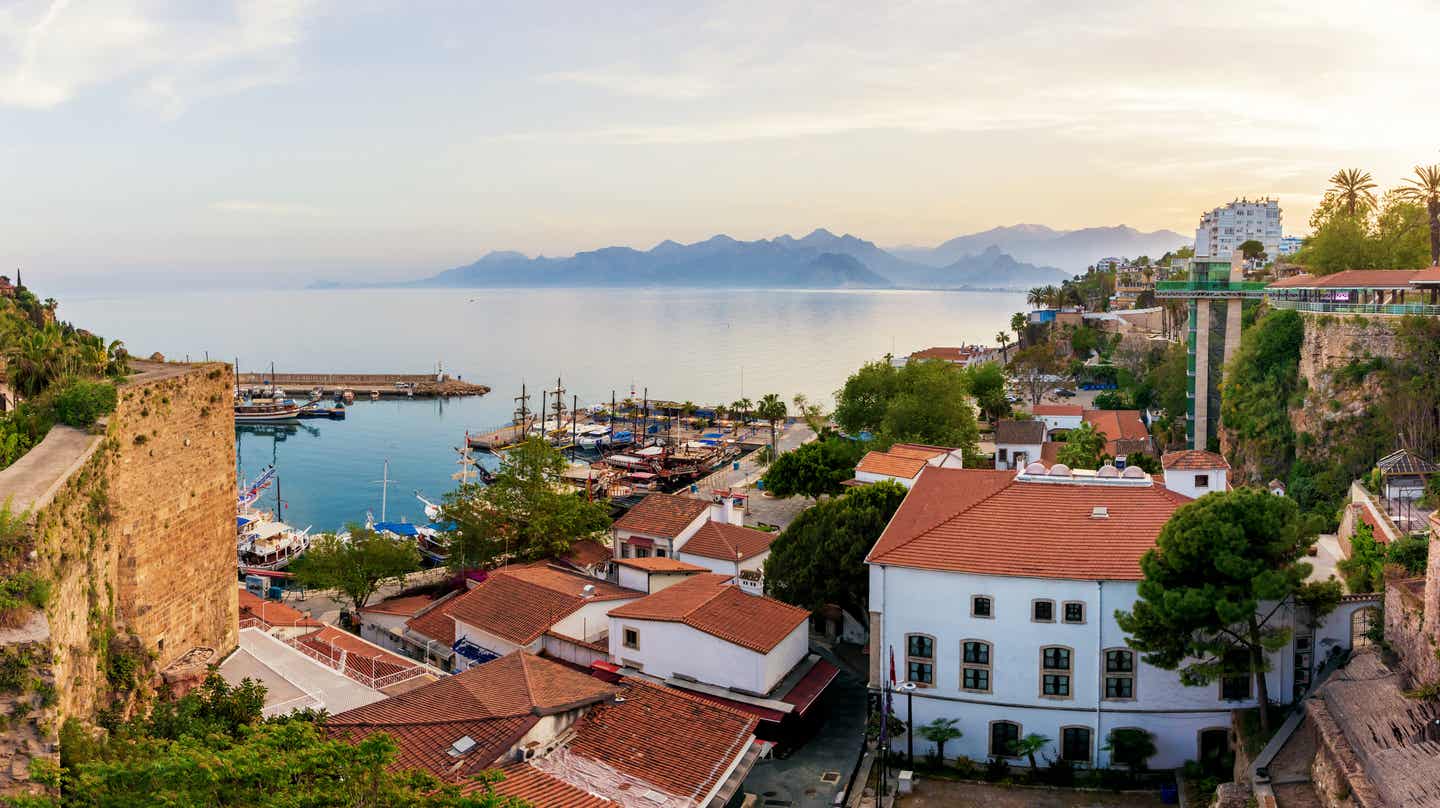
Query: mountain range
point(1001, 258)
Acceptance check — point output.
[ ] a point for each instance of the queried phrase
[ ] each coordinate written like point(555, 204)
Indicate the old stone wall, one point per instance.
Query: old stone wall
point(133, 528)
point(1336, 774)
point(1412, 619)
point(1332, 343)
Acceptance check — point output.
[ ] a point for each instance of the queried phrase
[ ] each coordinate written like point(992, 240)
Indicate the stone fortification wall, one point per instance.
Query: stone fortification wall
point(132, 528)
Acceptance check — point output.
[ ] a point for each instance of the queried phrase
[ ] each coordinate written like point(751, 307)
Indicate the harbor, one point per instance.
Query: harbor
point(367, 385)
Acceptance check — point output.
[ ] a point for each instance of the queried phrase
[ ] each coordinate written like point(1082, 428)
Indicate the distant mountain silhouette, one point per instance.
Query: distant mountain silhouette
point(1071, 251)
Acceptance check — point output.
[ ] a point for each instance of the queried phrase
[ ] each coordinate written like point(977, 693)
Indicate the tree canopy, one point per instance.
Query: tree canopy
point(986, 382)
point(1221, 568)
point(356, 567)
point(524, 513)
point(815, 468)
point(1083, 448)
point(820, 558)
point(1258, 385)
point(1395, 234)
point(212, 747)
point(923, 402)
point(1037, 369)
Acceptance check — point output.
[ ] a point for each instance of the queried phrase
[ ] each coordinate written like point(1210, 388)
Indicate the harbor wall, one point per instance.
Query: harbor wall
point(132, 527)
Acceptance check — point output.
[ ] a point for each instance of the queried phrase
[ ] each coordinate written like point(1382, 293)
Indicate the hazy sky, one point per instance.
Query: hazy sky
point(286, 136)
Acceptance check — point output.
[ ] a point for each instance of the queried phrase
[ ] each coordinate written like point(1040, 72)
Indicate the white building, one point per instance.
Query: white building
point(1224, 229)
point(904, 462)
point(1195, 473)
point(996, 593)
point(708, 630)
point(1289, 245)
point(650, 575)
point(1059, 416)
point(1019, 443)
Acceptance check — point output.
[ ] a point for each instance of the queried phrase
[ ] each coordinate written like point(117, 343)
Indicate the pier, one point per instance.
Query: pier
point(399, 385)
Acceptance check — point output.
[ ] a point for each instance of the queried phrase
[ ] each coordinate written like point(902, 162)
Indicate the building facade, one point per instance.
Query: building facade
point(1224, 229)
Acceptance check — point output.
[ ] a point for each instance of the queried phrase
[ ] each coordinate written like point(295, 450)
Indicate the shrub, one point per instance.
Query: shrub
point(18, 594)
point(80, 403)
point(997, 769)
point(1131, 747)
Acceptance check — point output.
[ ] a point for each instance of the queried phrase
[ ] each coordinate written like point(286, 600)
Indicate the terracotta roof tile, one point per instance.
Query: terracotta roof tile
point(661, 564)
point(436, 622)
point(918, 451)
point(1427, 275)
point(519, 603)
point(1057, 409)
point(407, 606)
point(1124, 432)
point(664, 515)
point(541, 790)
point(587, 553)
point(361, 656)
point(985, 522)
point(890, 465)
point(679, 743)
point(1193, 460)
point(948, 354)
point(1022, 432)
point(272, 613)
point(727, 542)
point(1350, 279)
point(712, 604)
point(494, 703)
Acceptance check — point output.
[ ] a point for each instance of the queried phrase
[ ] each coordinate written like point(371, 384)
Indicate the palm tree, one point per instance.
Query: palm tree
point(1017, 324)
point(1035, 297)
point(742, 408)
point(1003, 337)
point(939, 732)
point(1424, 189)
point(36, 360)
point(1029, 745)
point(773, 410)
point(1355, 189)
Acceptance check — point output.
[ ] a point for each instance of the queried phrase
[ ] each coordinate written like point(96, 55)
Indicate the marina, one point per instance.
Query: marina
point(368, 385)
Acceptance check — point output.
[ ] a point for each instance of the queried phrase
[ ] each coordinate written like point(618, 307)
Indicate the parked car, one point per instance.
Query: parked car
point(1064, 393)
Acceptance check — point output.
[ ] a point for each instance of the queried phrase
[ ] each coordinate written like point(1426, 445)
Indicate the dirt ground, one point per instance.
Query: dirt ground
point(937, 793)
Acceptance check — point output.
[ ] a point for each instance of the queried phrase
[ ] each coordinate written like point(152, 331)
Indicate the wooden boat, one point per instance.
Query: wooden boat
point(253, 412)
point(269, 545)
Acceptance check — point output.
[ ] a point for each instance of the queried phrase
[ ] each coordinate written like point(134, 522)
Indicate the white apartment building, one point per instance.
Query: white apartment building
point(1003, 616)
point(1224, 229)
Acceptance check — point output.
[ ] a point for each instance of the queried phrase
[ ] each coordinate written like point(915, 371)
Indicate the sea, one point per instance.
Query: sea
point(678, 344)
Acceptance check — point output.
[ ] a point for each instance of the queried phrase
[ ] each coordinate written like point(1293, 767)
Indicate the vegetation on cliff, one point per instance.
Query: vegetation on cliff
point(1260, 382)
point(1353, 229)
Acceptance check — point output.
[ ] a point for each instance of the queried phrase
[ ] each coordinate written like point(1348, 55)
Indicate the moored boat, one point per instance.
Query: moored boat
point(252, 412)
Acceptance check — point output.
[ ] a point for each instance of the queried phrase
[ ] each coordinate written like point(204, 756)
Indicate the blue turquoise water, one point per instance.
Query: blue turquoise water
point(690, 344)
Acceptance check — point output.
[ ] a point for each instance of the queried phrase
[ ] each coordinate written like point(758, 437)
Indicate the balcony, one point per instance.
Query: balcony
point(1391, 309)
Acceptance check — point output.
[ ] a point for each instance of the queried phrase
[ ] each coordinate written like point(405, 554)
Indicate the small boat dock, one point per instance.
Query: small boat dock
point(368, 385)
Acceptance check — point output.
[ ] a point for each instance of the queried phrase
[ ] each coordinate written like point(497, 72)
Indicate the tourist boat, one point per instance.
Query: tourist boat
point(250, 492)
point(593, 437)
point(257, 412)
point(269, 545)
point(623, 437)
point(432, 510)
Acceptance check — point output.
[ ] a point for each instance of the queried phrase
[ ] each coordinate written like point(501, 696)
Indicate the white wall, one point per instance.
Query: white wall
point(1031, 450)
point(667, 649)
point(664, 542)
point(1053, 422)
point(488, 641)
point(589, 622)
point(872, 477)
point(1183, 481)
point(381, 629)
point(756, 563)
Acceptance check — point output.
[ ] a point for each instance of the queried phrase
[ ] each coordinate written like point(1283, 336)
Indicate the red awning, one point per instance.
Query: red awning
point(807, 691)
point(641, 541)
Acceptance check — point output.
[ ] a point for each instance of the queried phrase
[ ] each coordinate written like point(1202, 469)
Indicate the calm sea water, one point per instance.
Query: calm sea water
point(706, 347)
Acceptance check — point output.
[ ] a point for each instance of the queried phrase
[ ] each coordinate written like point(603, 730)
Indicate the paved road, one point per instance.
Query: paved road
point(795, 781)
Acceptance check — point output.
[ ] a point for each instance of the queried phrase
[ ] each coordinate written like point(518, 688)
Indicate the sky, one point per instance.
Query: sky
point(285, 140)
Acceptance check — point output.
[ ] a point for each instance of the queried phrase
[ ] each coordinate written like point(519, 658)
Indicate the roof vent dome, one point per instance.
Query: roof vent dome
point(1108, 471)
point(1060, 470)
point(1035, 468)
point(1133, 473)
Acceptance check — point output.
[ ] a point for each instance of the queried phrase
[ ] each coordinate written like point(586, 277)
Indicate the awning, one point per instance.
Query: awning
point(807, 691)
point(640, 541)
point(398, 528)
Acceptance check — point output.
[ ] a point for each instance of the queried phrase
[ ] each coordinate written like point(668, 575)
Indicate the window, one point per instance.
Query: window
point(1202, 480)
point(642, 552)
point(1055, 672)
point(975, 666)
point(980, 606)
point(659, 552)
point(631, 639)
point(1119, 674)
point(1004, 455)
point(1075, 744)
point(1074, 611)
point(1042, 611)
point(1235, 686)
point(920, 659)
point(1003, 735)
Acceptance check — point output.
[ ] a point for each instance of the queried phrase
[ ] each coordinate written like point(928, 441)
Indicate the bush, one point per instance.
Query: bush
point(18, 594)
point(997, 769)
point(1410, 552)
point(80, 403)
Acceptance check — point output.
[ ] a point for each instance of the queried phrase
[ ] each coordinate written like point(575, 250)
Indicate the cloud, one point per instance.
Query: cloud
point(52, 50)
point(265, 208)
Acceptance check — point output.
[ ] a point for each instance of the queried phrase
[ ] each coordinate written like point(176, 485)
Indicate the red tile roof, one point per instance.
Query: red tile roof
point(1427, 275)
point(495, 704)
point(948, 354)
point(681, 744)
point(437, 623)
point(664, 515)
point(661, 564)
point(520, 602)
point(540, 790)
point(1057, 409)
point(587, 553)
point(919, 451)
point(727, 542)
point(890, 465)
point(407, 606)
point(993, 523)
point(273, 613)
point(1193, 460)
point(1026, 433)
point(712, 604)
point(1124, 431)
point(1351, 279)
point(361, 656)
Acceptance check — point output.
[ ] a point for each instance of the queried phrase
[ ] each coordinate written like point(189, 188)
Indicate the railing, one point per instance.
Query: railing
point(1210, 286)
point(1394, 309)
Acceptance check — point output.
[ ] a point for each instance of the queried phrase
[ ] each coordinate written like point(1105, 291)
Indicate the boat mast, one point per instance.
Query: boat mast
point(574, 425)
point(384, 483)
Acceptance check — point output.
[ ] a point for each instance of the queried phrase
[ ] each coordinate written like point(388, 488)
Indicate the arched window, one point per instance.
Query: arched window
point(1362, 622)
point(975, 667)
point(1003, 736)
point(1075, 744)
point(920, 659)
point(1055, 668)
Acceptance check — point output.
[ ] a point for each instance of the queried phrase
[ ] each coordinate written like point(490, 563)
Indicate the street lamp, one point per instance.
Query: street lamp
point(908, 688)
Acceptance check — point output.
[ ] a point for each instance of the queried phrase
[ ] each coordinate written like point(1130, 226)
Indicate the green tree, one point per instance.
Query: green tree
point(860, 405)
point(1131, 748)
point(1030, 745)
point(1018, 322)
point(922, 402)
point(1037, 369)
point(1003, 337)
point(986, 382)
point(1364, 569)
point(772, 410)
point(1252, 250)
point(358, 566)
point(940, 732)
point(814, 469)
point(1221, 569)
point(1264, 371)
point(1424, 190)
point(1083, 448)
point(1355, 190)
point(525, 513)
point(820, 558)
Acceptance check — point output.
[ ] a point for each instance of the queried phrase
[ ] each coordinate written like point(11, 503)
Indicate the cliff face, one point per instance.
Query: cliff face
point(133, 530)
